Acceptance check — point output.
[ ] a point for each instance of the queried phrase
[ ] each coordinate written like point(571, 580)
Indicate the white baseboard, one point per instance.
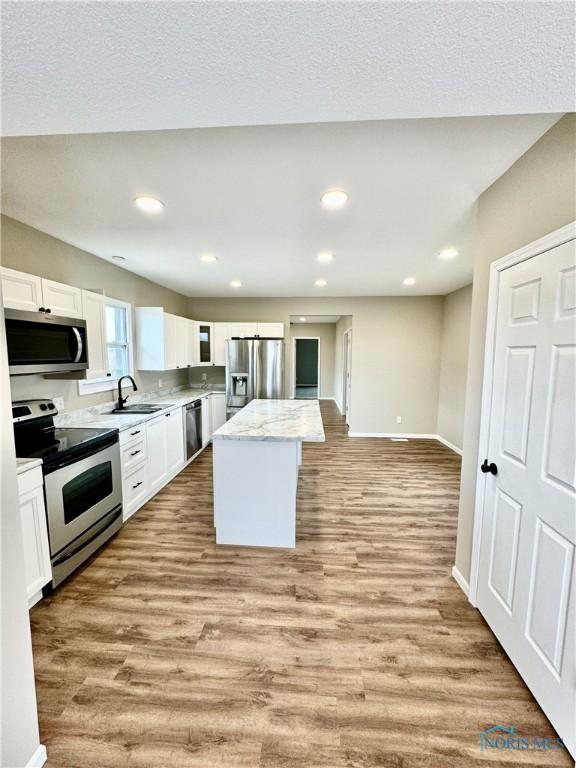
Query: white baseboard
point(407, 436)
point(448, 444)
point(461, 581)
point(38, 758)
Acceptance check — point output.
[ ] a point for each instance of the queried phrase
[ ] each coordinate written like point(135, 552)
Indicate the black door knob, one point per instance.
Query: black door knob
point(492, 468)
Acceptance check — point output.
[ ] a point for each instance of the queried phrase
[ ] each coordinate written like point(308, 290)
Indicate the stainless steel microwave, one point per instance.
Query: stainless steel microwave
point(39, 342)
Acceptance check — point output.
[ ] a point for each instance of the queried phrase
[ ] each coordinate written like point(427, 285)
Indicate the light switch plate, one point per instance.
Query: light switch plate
point(398, 419)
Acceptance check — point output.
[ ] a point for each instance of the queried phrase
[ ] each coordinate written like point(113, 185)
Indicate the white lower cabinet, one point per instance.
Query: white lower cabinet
point(206, 420)
point(150, 455)
point(217, 411)
point(34, 533)
point(158, 458)
point(174, 425)
point(134, 490)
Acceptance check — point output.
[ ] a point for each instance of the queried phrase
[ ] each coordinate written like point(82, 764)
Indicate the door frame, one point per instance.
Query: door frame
point(346, 372)
point(294, 340)
point(552, 240)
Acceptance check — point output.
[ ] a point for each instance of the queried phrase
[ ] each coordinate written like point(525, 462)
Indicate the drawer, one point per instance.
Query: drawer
point(135, 489)
point(29, 479)
point(127, 435)
point(132, 454)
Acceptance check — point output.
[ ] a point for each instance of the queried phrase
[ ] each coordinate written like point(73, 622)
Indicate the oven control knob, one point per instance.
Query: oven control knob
point(51, 406)
point(43, 406)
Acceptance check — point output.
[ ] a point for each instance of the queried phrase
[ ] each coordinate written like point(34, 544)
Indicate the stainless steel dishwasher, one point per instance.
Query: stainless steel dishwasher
point(193, 428)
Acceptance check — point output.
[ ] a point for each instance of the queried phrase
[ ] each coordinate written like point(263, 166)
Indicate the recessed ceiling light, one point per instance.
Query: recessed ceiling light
point(119, 258)
point(235, 284)
point(302, 319)
point(409, 281)
point(324, 257)
point(149, 204)
point(208, 258)
point(448, 253)
point(321, 283)
point(334, 198)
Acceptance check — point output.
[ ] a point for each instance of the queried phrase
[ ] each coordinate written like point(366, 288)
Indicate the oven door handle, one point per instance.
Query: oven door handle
point(79, 344)
point(80, 543)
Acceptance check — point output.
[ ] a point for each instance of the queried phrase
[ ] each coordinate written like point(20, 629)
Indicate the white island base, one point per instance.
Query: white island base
point(256, 459)
point(255, 486)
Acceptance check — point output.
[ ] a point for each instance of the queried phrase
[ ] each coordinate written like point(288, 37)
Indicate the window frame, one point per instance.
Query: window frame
point(106, 383)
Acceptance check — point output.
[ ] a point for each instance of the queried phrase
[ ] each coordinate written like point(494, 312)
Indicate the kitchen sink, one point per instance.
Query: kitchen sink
point(141, 408)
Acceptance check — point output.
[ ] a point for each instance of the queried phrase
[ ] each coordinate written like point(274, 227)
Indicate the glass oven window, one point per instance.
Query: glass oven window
point(86, 490)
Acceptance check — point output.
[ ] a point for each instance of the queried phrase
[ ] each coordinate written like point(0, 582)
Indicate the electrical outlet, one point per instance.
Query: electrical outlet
point(159, 383)
point(398, 419)
point(204, 376)
point(58, 402)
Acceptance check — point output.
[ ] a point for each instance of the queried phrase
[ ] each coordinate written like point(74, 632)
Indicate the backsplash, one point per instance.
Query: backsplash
point(215, 376)
point(28, 387)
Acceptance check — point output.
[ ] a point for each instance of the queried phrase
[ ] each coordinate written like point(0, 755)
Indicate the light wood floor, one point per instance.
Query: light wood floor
point(355, 649)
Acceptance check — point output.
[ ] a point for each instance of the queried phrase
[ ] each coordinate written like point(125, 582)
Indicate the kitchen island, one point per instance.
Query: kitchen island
point(257, 455)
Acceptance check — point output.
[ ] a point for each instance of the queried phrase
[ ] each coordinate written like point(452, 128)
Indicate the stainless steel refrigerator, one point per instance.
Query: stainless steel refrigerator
point(254, 370)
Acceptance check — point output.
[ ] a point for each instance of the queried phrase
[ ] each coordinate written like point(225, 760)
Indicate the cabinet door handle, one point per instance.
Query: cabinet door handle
point(135, 433)
point(137, 484)
point(167, 414)
point(135, 453)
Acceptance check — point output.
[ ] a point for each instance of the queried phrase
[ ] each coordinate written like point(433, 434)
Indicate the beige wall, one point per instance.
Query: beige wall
point(395, 352)
point(327, 334)
point(30, 250)
point(534, 197)
point(344, 324)
point(454, 365)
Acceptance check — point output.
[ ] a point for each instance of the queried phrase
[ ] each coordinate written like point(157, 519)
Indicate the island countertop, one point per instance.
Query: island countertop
point(275, 420)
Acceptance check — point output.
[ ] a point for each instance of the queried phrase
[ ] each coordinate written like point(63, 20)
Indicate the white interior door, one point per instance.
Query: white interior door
point(526, 565)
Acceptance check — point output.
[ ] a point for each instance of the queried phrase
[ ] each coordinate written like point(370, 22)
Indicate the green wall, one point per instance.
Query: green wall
point(307, 363)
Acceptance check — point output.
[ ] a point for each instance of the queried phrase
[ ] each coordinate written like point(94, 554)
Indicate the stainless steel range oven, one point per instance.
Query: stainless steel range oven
point(82, 482)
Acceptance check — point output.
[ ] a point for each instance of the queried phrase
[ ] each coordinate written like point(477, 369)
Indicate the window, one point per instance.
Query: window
point(119, 354)
point(117, 340)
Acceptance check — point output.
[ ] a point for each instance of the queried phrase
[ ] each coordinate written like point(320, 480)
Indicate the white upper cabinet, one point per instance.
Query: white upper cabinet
point(20, 290)
point(221, 333)
point(163, 341)
point(204, 343)
point(243, 329)
point(271, 330)
point(224, 331)
point(61, 299)
point(179, 350)
point(94, 308)
point(32, 293)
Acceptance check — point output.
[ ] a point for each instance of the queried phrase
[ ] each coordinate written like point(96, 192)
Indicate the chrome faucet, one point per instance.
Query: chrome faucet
point(122, 400)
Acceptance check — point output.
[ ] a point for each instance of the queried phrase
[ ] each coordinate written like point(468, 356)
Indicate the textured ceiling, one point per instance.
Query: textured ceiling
point(75, 67)
point(251, 196)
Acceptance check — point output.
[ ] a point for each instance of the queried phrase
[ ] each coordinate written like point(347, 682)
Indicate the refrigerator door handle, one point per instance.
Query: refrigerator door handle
point(254, 370)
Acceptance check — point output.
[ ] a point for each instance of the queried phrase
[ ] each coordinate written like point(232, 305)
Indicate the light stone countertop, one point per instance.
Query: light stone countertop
point(275, 420)
point(101, 420)
point(23, 465)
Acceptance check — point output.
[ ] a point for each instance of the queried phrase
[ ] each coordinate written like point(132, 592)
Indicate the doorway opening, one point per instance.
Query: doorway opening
point(306, 367)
